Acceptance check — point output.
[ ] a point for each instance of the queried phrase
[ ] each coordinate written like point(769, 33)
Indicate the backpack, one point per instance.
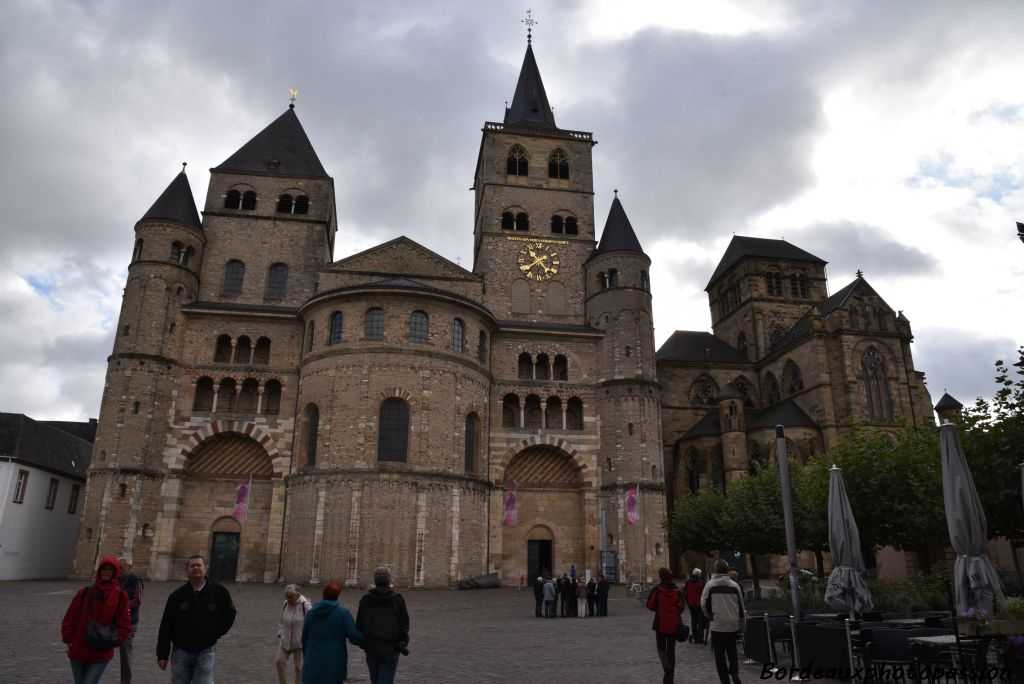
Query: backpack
point(380, 625)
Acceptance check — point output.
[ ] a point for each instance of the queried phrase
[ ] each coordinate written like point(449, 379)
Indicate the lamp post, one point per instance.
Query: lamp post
point(787, 513)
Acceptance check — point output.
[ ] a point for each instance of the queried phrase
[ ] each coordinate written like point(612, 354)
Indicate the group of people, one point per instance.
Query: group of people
point(105, 615)
point(715, 606)
point(578, 598)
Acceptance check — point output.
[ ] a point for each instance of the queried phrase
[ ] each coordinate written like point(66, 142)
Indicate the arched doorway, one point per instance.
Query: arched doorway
point(539, 557)
point(224, 545)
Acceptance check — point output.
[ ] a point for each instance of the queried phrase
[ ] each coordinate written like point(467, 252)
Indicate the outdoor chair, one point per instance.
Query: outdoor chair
point(894, 616)
point(757, 641)
point(821, 646)
point(947, 622)
point(888, 648)
point(781, 633)
point(872, 616)
point(932, 618)
point(815, 619)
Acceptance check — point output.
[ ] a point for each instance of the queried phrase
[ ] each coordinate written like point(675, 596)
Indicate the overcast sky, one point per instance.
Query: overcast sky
point(884, 136)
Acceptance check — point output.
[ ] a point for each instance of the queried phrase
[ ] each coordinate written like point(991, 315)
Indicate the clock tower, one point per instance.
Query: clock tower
point(534, 219)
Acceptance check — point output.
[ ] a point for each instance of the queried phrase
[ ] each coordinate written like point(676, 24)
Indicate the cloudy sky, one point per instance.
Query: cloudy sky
point(884, 136)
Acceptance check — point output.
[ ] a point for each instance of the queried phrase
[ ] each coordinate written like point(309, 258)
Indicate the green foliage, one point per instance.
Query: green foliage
point(753, 520)
point(810, 504)
point(920, 589)
point(696, 524)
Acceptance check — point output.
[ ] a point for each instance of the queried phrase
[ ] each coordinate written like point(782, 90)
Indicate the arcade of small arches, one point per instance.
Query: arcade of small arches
point(289, 202)
point(551, 414)
point(515, 218)
point(517, 166)
point(180, 253)
point(251, 397)
point(541, 368)
point(610, 279)
point(798, 285)
point(234, 280)
point(242, 351)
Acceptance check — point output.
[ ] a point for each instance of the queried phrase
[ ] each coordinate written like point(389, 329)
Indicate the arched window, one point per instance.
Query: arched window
point(522, 221)
point(334, 333)
point(301, 205)
point(613, 278)
point(234, 277)
point(693, 470)
point(543, 368)
point(532, 413)
point(602, 280)
point(186, 258)
point(481, 348)
point(557, 224)
point(249, 396)
point(718, 467)
point(261, 354)
point(755, 458)
point(525, 366)
point(571, 226)
point(243, 350)
point(458, 335)
point(277, 281)
point(176, 250)
point(508, 221)
point(772, 395)
point(645, 281)
point(204, 395)
point(393, 431)
point(284, 204)
point(741, 342)
point(553, 414)
point(876, 385)
point(418, 327)
point(233, 200)
point(743, 387)
point(574, 414)
point(773, 283)
point(222, 352)
point(272, 397)
point(374, 325)
point(798, 285)
point(561, 368)
point(775, 334)
point(472, 440)
point(703, 392)
point(227, 394)
point(248, 200)
point(510, 411)
point(558, 165)
point(312, 433)
point(792, 378)
point(310, 331)
point(137, 252)
point(517, 164)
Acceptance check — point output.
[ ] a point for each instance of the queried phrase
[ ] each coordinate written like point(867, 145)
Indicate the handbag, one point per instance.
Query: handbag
point(101, 637)
point(682, 632)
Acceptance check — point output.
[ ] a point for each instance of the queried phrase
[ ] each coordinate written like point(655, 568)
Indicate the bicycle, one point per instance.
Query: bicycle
point(642, 587)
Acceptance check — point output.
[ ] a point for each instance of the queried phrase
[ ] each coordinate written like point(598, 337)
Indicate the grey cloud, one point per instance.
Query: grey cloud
point(849, 246)
point(959, 362)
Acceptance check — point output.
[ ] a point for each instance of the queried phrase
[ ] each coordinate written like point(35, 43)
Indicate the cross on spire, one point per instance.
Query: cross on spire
point(183, 165)
point(530, 23)
point(860, 273)
point(294, 94)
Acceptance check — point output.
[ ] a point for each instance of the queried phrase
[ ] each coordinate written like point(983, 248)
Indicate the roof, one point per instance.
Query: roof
point(82, 430)
point(554, 327)
point(530, 102)
point(693, 345)
point(281, 149)
point(43, 445)
point(786, 413)
point(618, 234)
point(176, 204)
point(948, 402)
point(745, 247)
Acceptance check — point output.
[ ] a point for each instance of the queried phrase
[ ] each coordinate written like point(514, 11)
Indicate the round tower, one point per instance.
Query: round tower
point(734, 431)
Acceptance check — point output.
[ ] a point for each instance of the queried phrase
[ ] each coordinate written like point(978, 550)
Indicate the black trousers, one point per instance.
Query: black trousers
point(667, 654)
point(540, 603)
point(724, 646)
point(696, 624)
point(591, 606)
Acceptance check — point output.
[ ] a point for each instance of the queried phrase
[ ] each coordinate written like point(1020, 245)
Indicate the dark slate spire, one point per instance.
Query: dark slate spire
point(618, 235)
point(530, 103)
point(281, 149)
point(176, 204)
point(948, 402)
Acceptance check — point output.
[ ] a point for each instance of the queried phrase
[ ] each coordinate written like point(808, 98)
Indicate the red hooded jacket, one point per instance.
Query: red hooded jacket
point(100, 602)
point(667, 603)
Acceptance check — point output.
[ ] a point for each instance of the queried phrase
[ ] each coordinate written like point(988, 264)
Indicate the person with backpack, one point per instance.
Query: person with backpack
point(666, 601)
point(693, 588)
point(327, 626)
point(289, 632)
point(97, 621)
point(384, 619)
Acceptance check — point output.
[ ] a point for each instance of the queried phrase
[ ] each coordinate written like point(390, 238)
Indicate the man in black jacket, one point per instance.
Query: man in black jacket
point(197, 614)
point(384, 619)
point(538, 596)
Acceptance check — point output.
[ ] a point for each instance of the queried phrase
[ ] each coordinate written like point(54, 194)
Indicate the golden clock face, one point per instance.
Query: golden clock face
point(538, 261)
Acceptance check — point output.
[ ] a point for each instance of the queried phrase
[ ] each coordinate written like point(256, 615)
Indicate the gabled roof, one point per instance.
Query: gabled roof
point(530, 103)
point(708, 426)
point(42, 445)
point(696, 346)
point(618, 234)
point(82, 430)
point(787, 413)
point(742, 247)
point(176, 204)
point(827, 307)
point(403, 257)
point(280, 149)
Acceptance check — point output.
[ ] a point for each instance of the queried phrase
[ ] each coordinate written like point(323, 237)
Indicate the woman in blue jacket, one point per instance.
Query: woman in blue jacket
point(327, 626)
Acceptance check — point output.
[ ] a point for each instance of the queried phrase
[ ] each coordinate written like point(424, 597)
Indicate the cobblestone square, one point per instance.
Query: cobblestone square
point(456, 636)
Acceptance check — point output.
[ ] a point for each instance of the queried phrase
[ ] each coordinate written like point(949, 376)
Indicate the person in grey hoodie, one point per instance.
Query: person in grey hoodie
point(722, 601)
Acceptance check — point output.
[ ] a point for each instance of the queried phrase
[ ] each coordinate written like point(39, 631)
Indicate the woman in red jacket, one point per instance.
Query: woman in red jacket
point(105, 603)
point(667, 603)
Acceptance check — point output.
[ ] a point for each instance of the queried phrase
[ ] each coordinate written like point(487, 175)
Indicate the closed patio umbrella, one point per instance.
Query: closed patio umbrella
point(846, 588)
point(976, 581)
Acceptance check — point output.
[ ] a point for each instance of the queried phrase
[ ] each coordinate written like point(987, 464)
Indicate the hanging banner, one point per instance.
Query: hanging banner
point(633, 505)
point(241, 510)
point(511, 517)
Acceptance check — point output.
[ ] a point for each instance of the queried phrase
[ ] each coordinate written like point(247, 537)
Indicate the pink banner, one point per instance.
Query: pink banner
point(241, 511)
point(633, 505)
point(511, 517)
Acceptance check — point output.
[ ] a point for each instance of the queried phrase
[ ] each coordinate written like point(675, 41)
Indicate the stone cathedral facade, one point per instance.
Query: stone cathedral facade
point(383, 405)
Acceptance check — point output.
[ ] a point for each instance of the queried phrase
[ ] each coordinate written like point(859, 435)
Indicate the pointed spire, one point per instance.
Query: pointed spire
point(618, 234)
point(176, 204)
point(530, 103)
point(281, 149)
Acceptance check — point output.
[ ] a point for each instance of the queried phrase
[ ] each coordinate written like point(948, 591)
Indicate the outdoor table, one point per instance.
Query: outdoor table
point(906, 622)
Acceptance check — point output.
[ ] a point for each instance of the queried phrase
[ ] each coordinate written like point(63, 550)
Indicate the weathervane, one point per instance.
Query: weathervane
point(294, 94)
point(530, 23)
point(183, 165)
point(860, 273)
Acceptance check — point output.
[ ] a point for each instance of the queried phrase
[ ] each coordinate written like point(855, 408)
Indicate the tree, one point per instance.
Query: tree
point(810, 508)
point(753, 519)
point(696, 523)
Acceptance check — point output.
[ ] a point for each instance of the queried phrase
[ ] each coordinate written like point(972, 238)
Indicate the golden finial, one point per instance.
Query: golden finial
point(294, 94)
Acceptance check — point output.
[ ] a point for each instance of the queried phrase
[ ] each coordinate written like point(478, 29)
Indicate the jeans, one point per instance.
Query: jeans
point(724, 645)
point(192, 668)
point(549, 609)
point(382, 671)
point(666, 644)
point(125, 656)
point(282, 664)
point(87, 673)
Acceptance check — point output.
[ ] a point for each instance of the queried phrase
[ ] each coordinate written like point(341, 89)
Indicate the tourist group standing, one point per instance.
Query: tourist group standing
point(570, 597)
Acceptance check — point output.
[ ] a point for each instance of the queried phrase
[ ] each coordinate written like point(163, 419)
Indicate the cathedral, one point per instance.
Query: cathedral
point(292, 417)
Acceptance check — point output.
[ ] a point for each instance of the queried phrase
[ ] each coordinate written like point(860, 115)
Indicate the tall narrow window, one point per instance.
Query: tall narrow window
point(693, 470)
point(508, 221)
point(248, 397)
point(876, 385)
point(532, 417)
point(522, 221)
point(249, 200)
point(553, 414)
point(571, 226)
point(741, 342)
point(773, 281)
point(558, 165)
point(458, 335)
point(234, 277)
point(51, 494)
point(176, 251)
point(186, 258)
point(137, 252)
point(393, 431)
point(272, 397)
point(204, 395)
point(798, 285)
point(261, 354)
point(557, 225)
point(517, 164)
point(418, 323)
point(481, 349)
point(374, 325)
point(561, 368)
point(613, 278)
point(284, 204)
point(76, 491)
point(243, 350)
point(525, 366)
point(227, 396)
point(334, 333)
point(543, 368)
point(301, 205)
point(645, 281)
point(793, 378)
point(472, 437)
point(233, 200)
point(772, 394)
point(574, 414)
point(312, 433)
point(277, 281)
point(21, 486)
point(510, 411)
point(222, 352)
point(310, 329)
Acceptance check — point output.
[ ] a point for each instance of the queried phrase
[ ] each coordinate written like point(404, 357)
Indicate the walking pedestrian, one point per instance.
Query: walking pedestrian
point(289, 632)
point(197, 614)
point(581, 599)
point(549, 599)
point(324, 653)
point(384, 619)
point(693, 588)
point(132, 586)
point(602, 596)
point(538, 596)
point(666, 601)
point(97, 621)
point(722, 600)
